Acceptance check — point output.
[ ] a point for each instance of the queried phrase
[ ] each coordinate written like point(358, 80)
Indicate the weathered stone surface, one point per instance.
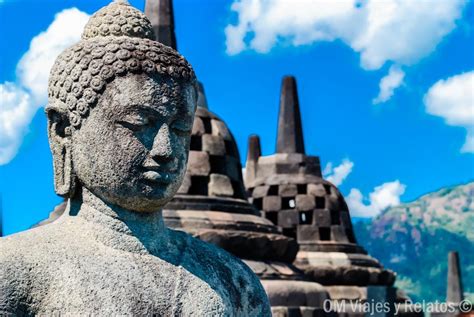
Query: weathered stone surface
point(212, 144)
point(260, 191)
point(288, 218)
point(305, 202)
point(199, 163)
point(271, 203)
point(322, 218)
point(287, 190)
point(110, 253)
point(316, 190)
point(220, 129)
point(220, 185)
point(184, 188)
point(198, 127)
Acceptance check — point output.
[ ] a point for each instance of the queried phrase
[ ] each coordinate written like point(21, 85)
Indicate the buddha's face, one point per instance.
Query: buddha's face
point(132, 149)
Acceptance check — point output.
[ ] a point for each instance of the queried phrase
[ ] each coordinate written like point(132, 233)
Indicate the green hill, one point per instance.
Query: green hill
point(414, 239)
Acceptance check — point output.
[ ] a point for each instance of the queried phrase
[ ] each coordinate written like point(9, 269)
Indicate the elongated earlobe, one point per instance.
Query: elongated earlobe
point(59, 133)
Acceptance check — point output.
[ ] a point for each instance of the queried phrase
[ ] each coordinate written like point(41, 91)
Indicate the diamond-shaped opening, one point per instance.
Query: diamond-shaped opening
point(306, 217)
point(258, 203)
point(350, 236)
point(199, 185)
point(218, 164)
point(290, 232)
point(335, 219)
point(301, 189)
point(288, 203)
point(272, 216)
point(324, 233)
point(231, 149)
point(239, 190)
point(320, 203)
point(207, 125)
point(327, 187)
point(196, 143)
point(273, 190)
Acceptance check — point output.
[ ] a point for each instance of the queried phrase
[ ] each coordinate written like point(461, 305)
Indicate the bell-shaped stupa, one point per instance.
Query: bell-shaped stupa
point(289, 188)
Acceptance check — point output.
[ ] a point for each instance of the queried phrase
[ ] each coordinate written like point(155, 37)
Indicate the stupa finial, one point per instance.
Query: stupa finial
point(253, 153)
point(454, 293)
point(290, 132)
point(160, 13)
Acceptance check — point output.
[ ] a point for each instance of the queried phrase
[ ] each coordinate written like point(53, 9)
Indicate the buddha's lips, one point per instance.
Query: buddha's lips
point(158, 177)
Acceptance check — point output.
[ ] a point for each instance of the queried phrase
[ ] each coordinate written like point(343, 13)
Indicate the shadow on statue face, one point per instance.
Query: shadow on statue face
point(132, 149)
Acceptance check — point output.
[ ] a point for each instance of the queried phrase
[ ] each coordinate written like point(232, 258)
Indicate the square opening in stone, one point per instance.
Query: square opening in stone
point(273, 190)
point(306, 217)
point(301, 189)
point(324, 233)
point(335, 219)
point(258, 203)
point(320, 203)
point(199, 185)
point(207, 125)
point(288, 203)
point(196, 143)
point(272, 216)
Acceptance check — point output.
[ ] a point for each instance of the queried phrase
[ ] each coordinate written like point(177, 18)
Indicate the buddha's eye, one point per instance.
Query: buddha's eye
point(135, 123)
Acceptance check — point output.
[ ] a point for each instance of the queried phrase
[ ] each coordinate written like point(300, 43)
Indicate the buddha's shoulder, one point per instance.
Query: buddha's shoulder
point(38, 242)
point(226, 273)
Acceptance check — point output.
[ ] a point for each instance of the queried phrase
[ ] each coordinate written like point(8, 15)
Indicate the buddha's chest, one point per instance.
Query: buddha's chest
point(126, 286)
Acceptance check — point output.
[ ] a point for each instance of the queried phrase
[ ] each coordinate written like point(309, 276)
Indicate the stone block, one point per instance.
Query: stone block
point(184, 188)
point(322, 217)
point(260, 191)
point(288, 218)
point(287, 168)
point(198, 163)
point(271, 203)
point(220, 185)
point(339, 234)
point(332, 203)
point(287, 190)
point(212, 144)
point(198, 127)
point(316, 190)
point(305, 202)
point(307, 233)
point(220, 129)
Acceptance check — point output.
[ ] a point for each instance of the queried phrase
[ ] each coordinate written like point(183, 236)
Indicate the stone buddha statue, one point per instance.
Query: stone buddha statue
point(120, 113)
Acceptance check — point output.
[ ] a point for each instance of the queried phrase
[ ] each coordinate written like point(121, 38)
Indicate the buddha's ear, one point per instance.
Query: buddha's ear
point(59, 134)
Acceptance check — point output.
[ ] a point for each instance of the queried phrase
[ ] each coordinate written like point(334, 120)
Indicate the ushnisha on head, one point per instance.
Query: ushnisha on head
point(121, 108)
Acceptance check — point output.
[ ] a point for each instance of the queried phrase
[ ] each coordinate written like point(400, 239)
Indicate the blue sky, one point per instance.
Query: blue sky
point(411, 143)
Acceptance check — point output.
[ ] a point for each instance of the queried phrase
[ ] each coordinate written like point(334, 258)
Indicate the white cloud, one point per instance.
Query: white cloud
point(21, 100)
point(453, 100)
point(338, 174)
point(382, 197)
point(402, 31)
point(389, 83)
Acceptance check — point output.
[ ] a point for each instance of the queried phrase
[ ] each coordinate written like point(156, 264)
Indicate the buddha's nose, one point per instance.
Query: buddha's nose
point(162, 149)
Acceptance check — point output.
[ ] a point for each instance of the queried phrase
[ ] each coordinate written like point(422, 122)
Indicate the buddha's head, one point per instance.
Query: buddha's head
point(120, 112)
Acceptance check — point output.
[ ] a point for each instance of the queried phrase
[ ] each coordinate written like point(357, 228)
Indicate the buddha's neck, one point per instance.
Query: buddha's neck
point(120, 228)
